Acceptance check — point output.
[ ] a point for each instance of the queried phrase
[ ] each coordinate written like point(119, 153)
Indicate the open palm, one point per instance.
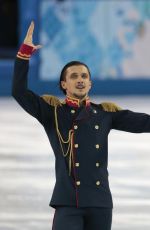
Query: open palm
point(29, 37)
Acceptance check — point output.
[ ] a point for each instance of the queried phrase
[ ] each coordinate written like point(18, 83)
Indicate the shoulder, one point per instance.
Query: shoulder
point(51, 100)
point(108, 106)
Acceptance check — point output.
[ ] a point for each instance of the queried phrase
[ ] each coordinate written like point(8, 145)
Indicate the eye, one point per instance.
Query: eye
point(84, 75)
point(73, 76)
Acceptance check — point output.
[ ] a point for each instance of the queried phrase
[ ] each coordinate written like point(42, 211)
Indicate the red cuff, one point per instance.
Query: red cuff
point(25, 52)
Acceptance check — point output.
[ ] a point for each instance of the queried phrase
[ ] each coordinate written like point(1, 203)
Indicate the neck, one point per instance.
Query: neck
point(77, 101)
point(80, 98)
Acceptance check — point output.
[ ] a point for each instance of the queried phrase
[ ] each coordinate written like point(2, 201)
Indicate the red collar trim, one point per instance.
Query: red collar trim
point(74, 102)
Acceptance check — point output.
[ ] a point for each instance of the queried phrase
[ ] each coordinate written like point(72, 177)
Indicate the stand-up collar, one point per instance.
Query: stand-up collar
point(74, 102)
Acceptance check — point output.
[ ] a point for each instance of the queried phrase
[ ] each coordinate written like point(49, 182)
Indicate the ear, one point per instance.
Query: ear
point(63, 84)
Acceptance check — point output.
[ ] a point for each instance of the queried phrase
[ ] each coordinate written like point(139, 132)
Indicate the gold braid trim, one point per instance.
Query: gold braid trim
point(69, 141)
point(110, 107)
point(51, 100)
point(24, 55)
point(24, 58)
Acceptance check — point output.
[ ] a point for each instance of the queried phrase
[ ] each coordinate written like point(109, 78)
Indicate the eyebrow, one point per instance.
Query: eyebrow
point(77, 73)
point(74, 73)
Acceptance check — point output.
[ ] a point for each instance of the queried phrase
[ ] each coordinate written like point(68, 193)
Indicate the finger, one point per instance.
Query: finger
point(30, 29)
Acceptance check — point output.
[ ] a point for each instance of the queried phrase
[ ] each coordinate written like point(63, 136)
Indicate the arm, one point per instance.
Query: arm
point(130, 121)
point(32, 103)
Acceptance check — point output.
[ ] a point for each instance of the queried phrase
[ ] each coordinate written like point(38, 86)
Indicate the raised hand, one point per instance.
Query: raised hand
point(29, 37)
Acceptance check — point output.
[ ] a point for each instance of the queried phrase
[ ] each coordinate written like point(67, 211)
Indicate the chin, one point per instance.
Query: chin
point(80, 95)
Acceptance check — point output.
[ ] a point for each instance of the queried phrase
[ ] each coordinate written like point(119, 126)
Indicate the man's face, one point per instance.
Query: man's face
point(77, 82)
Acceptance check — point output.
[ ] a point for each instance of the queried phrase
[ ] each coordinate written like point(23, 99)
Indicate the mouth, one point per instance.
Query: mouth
point(80, 87)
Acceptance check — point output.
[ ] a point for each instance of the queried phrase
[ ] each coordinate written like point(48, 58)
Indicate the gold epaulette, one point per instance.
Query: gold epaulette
point(110, 107)
point(51, 100)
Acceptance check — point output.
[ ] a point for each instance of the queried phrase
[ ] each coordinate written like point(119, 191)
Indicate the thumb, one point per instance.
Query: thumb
point(38, 47)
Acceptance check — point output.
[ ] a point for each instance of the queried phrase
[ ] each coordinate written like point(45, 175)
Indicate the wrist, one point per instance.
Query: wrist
point(25, 51)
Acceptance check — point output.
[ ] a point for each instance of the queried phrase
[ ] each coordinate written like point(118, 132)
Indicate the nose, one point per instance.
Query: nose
point(80, 79)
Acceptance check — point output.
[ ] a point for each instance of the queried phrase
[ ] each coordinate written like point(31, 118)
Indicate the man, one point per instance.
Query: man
point(78, 133)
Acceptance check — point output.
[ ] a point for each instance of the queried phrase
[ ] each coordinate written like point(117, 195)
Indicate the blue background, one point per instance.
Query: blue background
point(31, 10)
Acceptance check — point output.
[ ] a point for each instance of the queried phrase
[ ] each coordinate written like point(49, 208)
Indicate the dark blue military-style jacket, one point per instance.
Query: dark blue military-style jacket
point(87, 185)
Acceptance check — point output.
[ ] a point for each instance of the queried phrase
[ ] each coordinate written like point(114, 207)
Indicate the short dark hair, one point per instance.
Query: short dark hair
point(63, 72)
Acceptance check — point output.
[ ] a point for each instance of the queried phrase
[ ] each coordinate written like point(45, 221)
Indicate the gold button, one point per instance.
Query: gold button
point(76, 145)
point(72, 111)
point(96, 126)
point(75, 126)
point(97, 146)
point(98, 182)
point(77, 164)
point(94, 111)
point(78, 182)
point(97, 164)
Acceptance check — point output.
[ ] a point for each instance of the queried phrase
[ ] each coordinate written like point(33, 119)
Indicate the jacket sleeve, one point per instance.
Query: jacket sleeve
point(29, 101)
point(130, 121)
